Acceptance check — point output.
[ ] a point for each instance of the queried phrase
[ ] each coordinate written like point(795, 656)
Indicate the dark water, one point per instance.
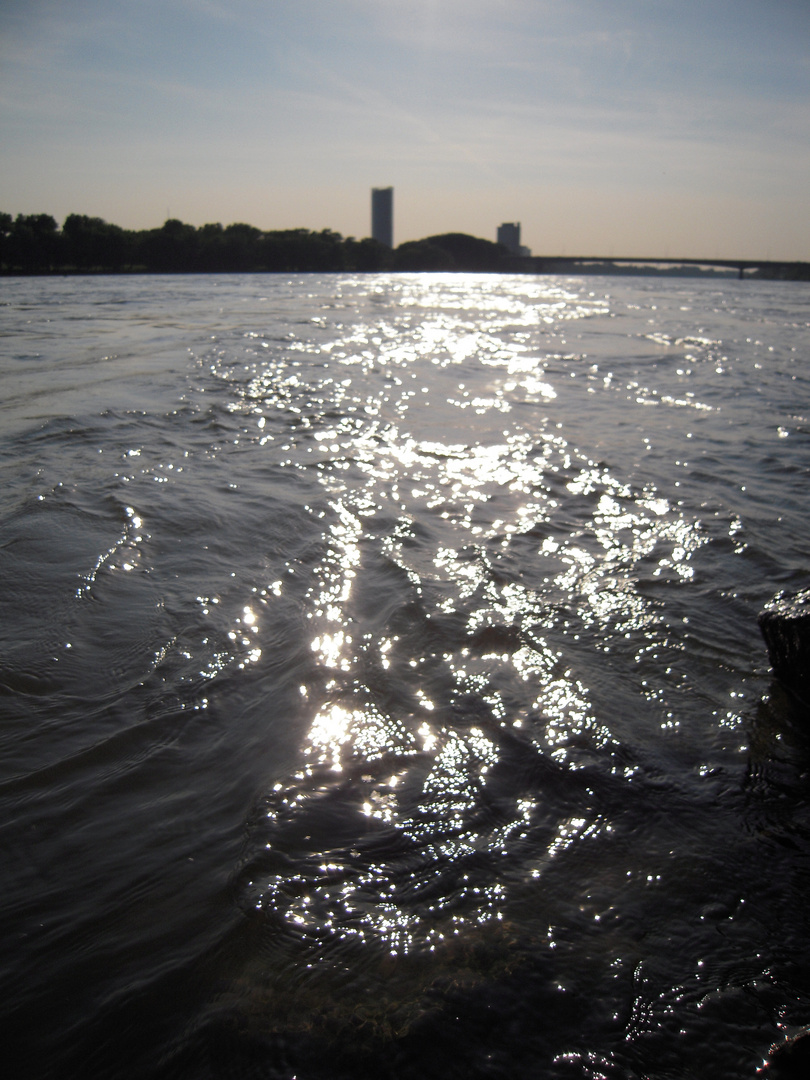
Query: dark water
point(381, 693)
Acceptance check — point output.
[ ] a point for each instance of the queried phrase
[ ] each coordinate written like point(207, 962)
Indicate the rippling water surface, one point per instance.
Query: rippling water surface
point(381, 693)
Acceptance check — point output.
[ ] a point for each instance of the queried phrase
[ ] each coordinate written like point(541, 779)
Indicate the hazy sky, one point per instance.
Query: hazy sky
point(661, 127)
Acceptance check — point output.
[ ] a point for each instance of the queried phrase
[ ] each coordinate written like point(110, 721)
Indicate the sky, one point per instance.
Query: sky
point(676, 128)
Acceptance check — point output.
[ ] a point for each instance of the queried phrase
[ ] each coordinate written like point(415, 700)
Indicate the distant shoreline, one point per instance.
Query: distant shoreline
point(34, 245)
point(796, 272)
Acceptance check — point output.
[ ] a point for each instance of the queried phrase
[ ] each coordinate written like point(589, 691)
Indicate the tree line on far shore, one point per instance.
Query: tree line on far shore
point(34, 244)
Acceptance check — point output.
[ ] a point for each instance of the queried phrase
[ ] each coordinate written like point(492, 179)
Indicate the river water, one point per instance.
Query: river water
point(381, 693)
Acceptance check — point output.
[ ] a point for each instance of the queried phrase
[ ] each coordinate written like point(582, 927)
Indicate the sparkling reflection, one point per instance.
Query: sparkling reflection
point(446, 584)
point(124, 554)
point(472, 562)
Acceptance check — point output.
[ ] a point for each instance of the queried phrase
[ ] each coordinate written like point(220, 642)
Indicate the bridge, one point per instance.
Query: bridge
point(572, 264)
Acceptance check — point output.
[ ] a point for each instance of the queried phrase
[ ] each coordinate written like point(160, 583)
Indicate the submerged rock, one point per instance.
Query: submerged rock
point(785, 625)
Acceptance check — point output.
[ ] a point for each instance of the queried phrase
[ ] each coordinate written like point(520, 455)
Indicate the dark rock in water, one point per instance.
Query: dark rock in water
point(789, 1060)
point(785, 625)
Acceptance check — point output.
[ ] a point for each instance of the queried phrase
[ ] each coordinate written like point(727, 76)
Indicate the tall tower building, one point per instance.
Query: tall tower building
point(509, 236)
point(382, 215)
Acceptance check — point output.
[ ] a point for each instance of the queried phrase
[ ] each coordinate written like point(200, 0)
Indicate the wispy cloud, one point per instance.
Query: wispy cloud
point(698, 97)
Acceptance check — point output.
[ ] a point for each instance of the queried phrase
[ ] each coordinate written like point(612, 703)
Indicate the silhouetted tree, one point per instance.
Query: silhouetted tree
point(89, 243)
point(367, 254)
point(6, 225)
point(451, 251)
point(240, 247)
point(34, 243)
point(173, 247)
point(299, 251)
point(423, 255)
point(210, 245)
